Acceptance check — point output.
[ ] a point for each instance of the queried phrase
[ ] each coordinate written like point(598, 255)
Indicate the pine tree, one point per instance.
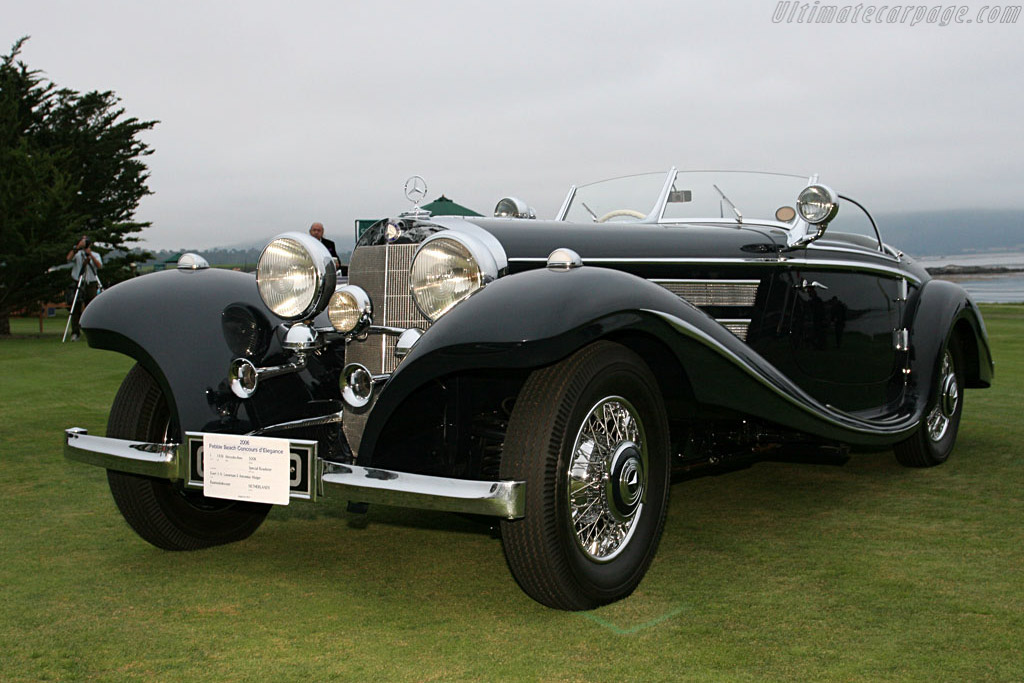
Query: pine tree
point(70, 164)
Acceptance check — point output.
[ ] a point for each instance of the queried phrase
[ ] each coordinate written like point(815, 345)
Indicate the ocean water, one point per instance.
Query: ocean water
point(992, 289)
point(996, 290)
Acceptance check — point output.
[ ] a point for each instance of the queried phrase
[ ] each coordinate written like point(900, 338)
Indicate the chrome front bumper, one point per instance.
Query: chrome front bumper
point(359, 484)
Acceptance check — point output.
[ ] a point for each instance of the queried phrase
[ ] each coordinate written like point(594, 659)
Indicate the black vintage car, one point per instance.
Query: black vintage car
point(554, 374)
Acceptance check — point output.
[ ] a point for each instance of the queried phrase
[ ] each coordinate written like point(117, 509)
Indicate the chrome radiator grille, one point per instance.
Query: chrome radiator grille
point(383, 272)
point(706, 293)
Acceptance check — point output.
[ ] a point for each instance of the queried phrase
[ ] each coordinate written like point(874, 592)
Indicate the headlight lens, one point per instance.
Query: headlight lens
point(350, 309)
point(817, 204)
point(444, 273)
point(292, 276)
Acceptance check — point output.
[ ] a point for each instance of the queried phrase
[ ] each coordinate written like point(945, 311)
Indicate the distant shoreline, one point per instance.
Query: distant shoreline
point(958, 273)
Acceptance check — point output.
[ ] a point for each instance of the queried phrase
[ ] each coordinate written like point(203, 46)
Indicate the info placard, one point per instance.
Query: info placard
point(256, 469)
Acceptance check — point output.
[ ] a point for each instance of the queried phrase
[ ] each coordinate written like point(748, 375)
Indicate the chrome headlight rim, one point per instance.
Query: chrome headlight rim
point(817, 204)
point(361, 305)
point(487, 265)
point(324, 275)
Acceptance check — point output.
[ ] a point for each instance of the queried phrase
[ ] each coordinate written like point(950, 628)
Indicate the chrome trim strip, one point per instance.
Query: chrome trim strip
point(716, 281)
point(137, 457)
point(333, 418)
point(790, 392)
point(817, 246)
point(656, 259)
point(789, 263)
point(893, 271)
point(384, 329)
point(505, 499)
point(384, 306)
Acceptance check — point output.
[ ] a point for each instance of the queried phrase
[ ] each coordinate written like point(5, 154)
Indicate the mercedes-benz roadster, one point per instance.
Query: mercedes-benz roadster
point(554, 374)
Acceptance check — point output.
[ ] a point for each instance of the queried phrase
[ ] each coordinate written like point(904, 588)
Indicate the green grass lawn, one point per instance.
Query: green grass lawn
point(783, 571)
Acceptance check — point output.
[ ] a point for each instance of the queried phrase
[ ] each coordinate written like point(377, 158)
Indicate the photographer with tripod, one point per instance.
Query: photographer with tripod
point(85, 263)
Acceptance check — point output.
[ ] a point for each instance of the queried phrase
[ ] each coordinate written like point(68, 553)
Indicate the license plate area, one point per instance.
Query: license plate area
point(303, 462)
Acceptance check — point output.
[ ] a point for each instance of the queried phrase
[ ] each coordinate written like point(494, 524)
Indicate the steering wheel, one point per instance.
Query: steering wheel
point(620, 212)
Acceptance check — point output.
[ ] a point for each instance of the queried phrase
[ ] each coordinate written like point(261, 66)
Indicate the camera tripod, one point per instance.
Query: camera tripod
point(87, 265)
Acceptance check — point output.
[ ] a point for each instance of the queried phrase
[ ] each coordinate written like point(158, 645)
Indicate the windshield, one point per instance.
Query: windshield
point(610, 200)
point(692, 196)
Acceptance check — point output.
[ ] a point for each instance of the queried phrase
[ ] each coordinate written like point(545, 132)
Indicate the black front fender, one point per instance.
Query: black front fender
point(171, 323)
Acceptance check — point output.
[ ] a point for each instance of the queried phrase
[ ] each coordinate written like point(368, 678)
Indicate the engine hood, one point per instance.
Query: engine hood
point(531, 240)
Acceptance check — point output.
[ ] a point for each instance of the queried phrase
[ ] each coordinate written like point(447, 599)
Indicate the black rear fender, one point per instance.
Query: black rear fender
point(943, 309)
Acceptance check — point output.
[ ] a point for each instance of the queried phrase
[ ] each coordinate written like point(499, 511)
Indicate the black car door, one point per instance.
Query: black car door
point(831, 322)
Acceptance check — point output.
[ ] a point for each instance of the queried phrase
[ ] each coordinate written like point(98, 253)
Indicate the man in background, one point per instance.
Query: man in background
point(82, 256)
point(317, 231)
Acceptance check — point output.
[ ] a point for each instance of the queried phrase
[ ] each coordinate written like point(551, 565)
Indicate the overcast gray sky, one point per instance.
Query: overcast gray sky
point(273, 115)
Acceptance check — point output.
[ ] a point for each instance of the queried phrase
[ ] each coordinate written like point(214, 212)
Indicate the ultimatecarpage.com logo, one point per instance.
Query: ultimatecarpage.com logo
point(907, 15)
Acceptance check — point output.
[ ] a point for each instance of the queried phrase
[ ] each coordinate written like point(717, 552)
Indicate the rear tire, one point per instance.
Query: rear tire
point(161, 511)
point(590, 438)
point(933, 442)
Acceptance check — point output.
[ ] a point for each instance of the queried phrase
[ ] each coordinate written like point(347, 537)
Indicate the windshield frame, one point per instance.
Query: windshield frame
point(656, 215)
point(799, 232)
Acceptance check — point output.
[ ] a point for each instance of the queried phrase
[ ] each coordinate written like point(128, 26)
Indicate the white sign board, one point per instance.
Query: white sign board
point(256, 469)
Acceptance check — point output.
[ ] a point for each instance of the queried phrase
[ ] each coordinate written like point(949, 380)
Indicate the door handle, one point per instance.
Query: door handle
point(808, 286)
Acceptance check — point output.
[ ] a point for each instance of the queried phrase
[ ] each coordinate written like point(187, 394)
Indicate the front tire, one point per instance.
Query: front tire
point(933, 442)
point(590, 438)
point(160, 511)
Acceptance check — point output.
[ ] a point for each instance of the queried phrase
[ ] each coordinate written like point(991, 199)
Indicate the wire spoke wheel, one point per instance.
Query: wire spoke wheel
point(589, 436)
point(945, 408)
point(607, 478)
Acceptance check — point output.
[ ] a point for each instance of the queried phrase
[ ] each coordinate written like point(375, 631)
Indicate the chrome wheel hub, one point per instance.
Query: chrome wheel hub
point(948, 400)
point(625, 486)
point(607, 478)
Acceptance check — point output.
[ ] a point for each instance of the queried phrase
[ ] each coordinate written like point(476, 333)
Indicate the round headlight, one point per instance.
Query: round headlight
point(350, 309)
point(294, 275)
point(817, 204)
point(444, 272)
